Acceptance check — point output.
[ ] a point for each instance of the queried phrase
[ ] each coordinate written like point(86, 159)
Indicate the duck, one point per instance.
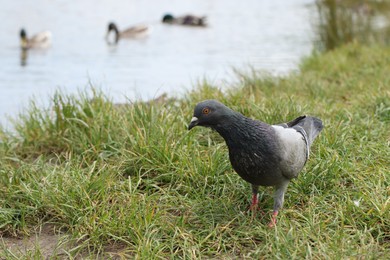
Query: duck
point(137, 31)
point(189, 20)
point(40, 40)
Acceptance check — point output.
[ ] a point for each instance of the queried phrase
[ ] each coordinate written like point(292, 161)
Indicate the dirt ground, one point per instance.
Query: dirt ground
point(45, 240)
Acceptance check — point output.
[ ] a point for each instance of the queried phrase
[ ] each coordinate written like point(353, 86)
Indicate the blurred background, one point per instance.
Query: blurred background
point(265, 35)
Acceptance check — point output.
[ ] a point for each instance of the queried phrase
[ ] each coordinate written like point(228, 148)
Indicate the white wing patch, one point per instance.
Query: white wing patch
point(293, 148)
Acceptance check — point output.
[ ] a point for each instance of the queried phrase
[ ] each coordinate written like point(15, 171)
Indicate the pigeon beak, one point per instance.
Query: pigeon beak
point(194, 122)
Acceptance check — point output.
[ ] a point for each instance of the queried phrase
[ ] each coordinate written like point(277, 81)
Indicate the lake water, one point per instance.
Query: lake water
point(270, 35)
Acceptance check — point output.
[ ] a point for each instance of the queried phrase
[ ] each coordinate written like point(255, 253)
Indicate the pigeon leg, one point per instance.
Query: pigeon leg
point(255, 199)
point(278, 201)
point(254, 207)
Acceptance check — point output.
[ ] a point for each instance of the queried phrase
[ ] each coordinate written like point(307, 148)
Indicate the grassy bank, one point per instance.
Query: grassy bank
point(131, 181)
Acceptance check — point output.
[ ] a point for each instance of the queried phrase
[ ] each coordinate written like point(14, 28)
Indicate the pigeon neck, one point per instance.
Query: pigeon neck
point(239, 132)
point(231, 127)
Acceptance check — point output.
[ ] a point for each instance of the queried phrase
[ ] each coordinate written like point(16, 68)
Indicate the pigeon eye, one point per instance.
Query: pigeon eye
point(206, 110)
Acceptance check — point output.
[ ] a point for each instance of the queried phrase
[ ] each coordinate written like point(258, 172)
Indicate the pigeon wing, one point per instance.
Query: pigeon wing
point(293, 150)
point(295, 138)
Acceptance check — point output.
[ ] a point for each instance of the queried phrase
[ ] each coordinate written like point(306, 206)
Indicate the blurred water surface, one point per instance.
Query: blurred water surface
point(270, 35)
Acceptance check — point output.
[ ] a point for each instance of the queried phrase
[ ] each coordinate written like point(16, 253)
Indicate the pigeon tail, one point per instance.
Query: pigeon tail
point(311, 125)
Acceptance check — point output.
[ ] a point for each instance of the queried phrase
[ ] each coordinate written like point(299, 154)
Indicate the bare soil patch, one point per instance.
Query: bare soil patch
point(46, 240)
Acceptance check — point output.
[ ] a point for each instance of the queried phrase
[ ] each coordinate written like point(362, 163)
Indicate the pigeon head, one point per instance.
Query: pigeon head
point(210, 113)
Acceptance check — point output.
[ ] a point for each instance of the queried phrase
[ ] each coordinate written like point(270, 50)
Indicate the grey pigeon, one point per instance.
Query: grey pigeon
point(262, 154)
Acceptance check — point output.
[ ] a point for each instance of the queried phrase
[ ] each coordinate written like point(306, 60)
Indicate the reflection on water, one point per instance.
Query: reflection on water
point(264, 35)
point(23, 57)
point(352, 20)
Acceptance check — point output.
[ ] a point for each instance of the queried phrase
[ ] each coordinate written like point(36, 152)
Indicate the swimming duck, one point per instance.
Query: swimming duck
point(189, 19)
point(40, 40)
point(132, 32)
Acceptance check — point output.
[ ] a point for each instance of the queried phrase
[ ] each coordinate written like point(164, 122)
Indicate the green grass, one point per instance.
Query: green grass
point(130, 181)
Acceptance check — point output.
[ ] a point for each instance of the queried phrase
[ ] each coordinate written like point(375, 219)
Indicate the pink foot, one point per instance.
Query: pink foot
point(253, 206)
point(273, 221)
